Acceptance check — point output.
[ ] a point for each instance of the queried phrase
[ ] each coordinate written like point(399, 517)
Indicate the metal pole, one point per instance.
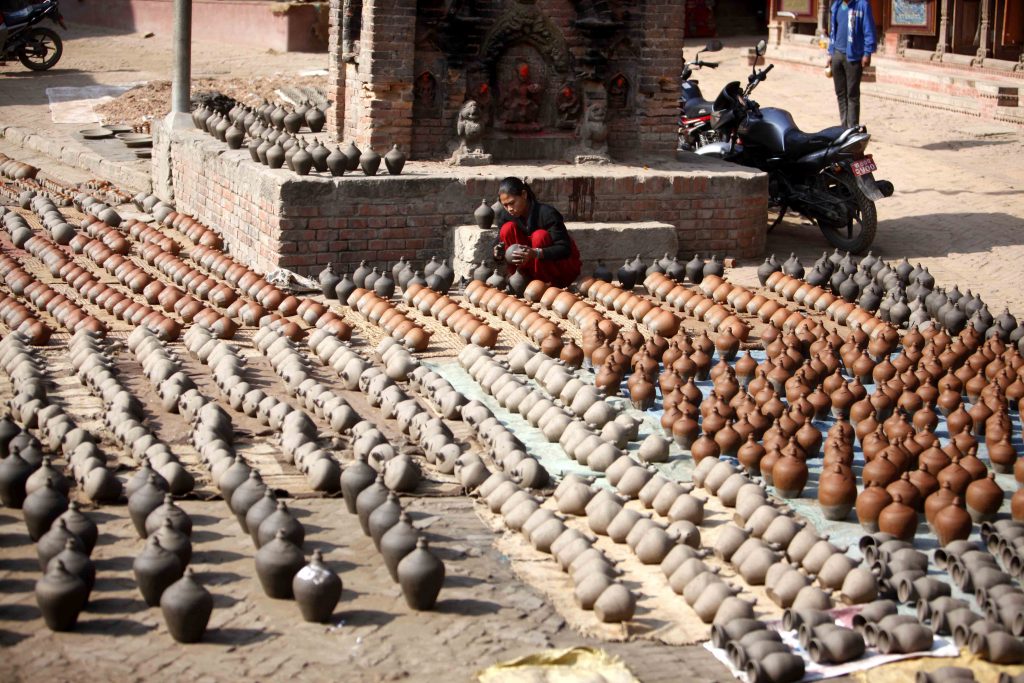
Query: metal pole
point(181, 86)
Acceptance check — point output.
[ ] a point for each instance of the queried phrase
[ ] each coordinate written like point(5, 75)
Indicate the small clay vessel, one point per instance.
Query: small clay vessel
point(14, 474)
point(143, 501)
point(281, 522)
point(397, 542)
point(41, 508)
point(777, 667)
point(187, 607)
point(169, 511)
point(317, 589)
point(484, 215)
point(369, 162)
point(615, 605)
point(952, 523)
point(277, 563)
point(155, 569)
point(394, 160)
point(79, 524)
point(61, 596)
point(355, 477)
point(175, 541)
point(421, 576)
point(983, 498)
point(53, 541)
point(898, 519)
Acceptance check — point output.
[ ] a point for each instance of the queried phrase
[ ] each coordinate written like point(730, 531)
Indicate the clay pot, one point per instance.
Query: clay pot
point(316, 589)
point(836, 646)
point(186, 606)
point(421, 576)
point(41, 508)
point(155, 568)
point(898, 519)
point(984, 497)
point(277, 563)
point(904, 638)
point(952, 523)
point(777, 667)
point(280, 522)
point(397, 542)
point(615, 605)
point(61, 596)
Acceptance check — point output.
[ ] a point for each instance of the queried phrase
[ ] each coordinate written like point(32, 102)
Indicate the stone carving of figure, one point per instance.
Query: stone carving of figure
point(521, 103)
point(470, 128)
point(569, 106)
point(618, 92)
point(592, 136)
point(425, 91)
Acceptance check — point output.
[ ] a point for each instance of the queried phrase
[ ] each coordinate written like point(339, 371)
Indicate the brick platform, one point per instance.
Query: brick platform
point(274, 218)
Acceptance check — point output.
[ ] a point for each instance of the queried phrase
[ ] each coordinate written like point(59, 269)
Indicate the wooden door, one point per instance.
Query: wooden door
point(966, 19)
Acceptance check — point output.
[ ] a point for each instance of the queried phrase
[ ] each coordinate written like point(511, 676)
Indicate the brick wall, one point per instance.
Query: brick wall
point(275, 218)
point(396, 46)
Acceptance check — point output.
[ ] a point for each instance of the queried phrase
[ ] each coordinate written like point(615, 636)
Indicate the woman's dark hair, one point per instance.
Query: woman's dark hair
point(515, 186)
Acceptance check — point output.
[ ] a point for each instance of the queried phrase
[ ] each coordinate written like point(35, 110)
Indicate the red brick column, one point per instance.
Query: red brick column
point(664, 24)
point(335, 71)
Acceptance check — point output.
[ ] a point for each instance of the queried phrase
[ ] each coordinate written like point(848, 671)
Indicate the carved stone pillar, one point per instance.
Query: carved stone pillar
point(983, 37)
point(943, 43)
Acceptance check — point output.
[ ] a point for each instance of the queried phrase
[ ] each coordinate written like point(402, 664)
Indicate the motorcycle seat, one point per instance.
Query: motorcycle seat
point(696, 108)
point(19, 16)
point(799, 143)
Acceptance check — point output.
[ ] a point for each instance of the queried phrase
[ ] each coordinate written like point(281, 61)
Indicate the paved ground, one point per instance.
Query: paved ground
point(958, 208)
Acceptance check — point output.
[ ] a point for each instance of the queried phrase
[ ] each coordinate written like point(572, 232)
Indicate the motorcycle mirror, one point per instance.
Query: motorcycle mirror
point(713, 46)
point(761, 48)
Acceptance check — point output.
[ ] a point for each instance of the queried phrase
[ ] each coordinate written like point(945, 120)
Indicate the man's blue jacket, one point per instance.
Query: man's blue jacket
point(860, 31)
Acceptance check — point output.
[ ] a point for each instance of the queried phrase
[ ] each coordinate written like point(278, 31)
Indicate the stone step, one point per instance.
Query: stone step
point(610, 243)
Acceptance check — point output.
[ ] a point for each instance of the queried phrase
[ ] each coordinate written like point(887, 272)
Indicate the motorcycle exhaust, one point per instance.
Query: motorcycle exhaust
point(885, 187)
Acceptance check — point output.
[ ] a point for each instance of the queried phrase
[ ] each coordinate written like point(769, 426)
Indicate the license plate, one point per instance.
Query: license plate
point(863, 166)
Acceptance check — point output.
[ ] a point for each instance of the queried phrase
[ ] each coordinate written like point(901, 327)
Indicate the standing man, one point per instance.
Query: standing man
point(852, 33)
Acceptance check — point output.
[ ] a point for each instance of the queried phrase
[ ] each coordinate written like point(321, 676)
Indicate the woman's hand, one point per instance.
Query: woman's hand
point(519, 254)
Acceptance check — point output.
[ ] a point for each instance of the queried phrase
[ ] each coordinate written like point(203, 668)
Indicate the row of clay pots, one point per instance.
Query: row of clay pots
point(298, 431)
point(98, 230)
point(503, 447)
point(398, 471)
point(842, 312)
point(471, 328)
point(571, 307)
point(397, 324)
point(655, 318)
point(246, 282)
point(16, 170)
point(53, 220)
point(57, 428)
point(65, 312)
point(195, 231)
point(560, 380)
point(103, 295)
point(145, 233)
point(513, 310)
point(577, 435)
point(155, 292)
point(595, 577)
point(21, 319)
point(709, 307)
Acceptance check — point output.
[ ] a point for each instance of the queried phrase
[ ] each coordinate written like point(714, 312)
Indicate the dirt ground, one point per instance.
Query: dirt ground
point(959, 208)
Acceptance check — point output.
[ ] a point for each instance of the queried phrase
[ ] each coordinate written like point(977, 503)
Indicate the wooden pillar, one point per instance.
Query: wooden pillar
point(823, 7)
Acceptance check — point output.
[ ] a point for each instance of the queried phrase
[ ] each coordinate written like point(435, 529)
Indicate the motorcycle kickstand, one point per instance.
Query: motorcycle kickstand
point(782, 214)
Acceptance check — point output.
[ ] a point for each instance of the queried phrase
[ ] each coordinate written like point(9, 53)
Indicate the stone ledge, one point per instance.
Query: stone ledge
point(610, 243)
point(128, 179)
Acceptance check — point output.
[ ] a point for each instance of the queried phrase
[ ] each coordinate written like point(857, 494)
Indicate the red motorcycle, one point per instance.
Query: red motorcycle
point(694, 111)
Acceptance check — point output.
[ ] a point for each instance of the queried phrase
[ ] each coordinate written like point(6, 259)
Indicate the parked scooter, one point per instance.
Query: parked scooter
point(824, 176)
point(694, 111)
point(37, 47)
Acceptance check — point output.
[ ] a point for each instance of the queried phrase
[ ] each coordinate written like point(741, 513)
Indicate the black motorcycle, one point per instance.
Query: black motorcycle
point(824, 176)
point(37, 47)
point(694, 111)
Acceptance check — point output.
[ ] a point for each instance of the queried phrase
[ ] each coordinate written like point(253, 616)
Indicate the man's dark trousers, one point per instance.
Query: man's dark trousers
point(846, 76)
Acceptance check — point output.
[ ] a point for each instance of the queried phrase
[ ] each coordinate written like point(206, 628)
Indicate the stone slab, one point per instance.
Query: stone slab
point(611, 243)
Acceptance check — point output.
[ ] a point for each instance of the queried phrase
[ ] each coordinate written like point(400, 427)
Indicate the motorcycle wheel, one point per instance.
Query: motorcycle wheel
point(42, 49)
point(857, 234)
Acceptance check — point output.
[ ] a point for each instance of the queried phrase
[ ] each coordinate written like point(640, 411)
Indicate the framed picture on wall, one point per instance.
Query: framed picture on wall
point(911, 17)
point(803, 9)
